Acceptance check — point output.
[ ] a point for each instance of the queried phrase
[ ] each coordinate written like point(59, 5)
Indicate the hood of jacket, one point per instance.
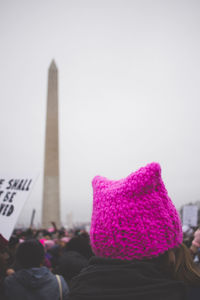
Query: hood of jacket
point(33, 278)
point(108, 279)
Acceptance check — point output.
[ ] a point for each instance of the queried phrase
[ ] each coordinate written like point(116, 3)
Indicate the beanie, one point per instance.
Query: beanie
point(133, 218)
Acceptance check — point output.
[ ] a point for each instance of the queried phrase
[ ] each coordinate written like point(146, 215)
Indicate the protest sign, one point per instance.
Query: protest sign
point(190, 215)
point(13, 194)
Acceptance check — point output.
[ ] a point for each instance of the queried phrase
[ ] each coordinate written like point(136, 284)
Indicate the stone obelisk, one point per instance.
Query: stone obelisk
point(51, 201)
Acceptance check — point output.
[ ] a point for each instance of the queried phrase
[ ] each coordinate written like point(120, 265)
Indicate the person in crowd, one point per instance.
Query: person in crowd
point(54, 253)
point(74, 257)
point(136, 235)
point(12, 247)
point(4, 257)
point(47, 244)
point(33, 280)
point(195, 247)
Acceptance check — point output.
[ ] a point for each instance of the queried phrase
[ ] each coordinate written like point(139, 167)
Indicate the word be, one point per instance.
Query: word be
point(6, 208)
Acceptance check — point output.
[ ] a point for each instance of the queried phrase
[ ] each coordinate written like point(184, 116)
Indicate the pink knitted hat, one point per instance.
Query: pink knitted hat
point(134, 218)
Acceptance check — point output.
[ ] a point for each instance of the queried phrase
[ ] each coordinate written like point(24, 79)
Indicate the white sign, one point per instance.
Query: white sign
point(13, 195)
point(190, 215)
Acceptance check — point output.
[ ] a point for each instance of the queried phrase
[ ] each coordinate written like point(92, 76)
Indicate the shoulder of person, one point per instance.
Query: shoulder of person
point(64, 284)
point(9, 279)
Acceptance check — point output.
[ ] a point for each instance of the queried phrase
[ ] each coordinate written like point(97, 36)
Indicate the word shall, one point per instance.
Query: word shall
point(19, 184)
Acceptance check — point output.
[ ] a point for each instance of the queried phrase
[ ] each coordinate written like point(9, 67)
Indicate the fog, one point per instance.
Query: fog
point(129, 94)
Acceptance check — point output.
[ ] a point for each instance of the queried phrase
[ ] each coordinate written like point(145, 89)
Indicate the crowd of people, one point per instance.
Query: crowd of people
point(137, 249)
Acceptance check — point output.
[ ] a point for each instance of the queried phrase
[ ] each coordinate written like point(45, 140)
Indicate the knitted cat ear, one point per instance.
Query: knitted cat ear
point(149, 175)
point(100, 181)
point(145, 177)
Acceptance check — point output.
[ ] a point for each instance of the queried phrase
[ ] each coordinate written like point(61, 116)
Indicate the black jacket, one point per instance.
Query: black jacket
point(108, 279)
point(70, 264)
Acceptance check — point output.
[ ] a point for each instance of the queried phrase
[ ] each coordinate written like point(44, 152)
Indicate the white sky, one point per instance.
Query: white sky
point(129, 92)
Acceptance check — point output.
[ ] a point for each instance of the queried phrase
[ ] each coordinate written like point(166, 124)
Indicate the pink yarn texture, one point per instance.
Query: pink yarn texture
point(134, 218)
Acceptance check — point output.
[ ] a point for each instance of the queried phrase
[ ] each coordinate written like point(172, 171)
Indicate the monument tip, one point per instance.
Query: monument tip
point(53, 65)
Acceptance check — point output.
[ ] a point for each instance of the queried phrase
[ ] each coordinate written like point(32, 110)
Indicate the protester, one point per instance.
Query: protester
point(74, 257)
point(187, 235)
point(136, 236)
point(4, 256)
point(195, 247)
point(195, 242)
point(34, 281)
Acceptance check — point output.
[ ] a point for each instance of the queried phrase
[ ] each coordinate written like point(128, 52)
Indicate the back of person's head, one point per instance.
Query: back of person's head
point(134, 218)
point(30, 254)
point(81, 245)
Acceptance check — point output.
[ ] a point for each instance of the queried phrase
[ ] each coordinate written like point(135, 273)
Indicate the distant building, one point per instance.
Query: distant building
point(190, 214)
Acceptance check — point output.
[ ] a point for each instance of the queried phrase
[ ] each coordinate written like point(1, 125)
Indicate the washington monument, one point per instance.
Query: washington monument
point(51, 199)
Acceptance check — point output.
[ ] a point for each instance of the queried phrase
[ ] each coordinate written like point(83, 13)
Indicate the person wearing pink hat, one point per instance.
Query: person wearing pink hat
point(135, 233)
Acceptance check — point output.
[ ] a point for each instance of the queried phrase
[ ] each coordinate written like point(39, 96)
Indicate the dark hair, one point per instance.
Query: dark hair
point(30, 254)
point(80, 245)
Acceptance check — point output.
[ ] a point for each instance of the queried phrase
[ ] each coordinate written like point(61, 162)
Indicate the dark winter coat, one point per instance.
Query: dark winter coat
point(108, 279)
point(70, 264)
point(34, 284)
point(193, 293)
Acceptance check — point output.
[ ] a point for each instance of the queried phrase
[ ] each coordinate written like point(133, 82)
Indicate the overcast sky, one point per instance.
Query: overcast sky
point(129, 93)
